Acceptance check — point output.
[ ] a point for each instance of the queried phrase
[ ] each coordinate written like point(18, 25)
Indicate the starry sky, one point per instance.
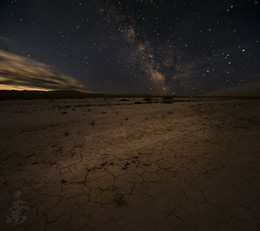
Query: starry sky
point(175, 47)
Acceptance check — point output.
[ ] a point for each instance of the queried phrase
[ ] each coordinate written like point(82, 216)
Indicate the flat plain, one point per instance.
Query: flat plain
point(130, 164)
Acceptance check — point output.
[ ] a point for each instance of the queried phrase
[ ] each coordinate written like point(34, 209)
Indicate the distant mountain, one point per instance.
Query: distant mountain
point(250, 89)
point(62, 94)
point(9, 95)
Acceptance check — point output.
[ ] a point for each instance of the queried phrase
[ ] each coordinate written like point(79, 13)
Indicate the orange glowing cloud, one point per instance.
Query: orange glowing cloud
point(20, 73)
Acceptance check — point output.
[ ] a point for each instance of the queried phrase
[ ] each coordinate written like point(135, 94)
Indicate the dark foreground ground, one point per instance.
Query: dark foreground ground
point(129, 164)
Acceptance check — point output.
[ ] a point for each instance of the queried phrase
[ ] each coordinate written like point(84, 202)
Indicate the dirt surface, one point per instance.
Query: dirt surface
point(128, 164)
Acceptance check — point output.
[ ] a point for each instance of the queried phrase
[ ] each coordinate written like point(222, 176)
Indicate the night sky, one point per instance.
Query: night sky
point(137, 46)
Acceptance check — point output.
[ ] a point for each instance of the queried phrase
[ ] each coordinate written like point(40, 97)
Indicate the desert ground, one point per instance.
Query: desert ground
point(110, 164)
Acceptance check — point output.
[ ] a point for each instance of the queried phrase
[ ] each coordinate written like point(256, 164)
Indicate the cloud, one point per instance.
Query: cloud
point(7, 42)
point(20, 73)
point(248, 89)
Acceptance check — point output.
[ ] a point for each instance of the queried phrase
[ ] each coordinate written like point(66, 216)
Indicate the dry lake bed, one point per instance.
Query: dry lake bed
point(110, 164)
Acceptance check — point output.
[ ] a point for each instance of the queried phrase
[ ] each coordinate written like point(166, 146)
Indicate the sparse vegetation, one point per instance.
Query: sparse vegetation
point(60, 107)
point(168, 99)
point(148, 100)
point(93, 123)
point(126, 118)
point(119, 199)
point(66, 133)
point(63, 181)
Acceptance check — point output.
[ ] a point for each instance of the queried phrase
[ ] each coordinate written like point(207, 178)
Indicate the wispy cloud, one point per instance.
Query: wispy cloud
point(248, 89)
point(7, 41)
point(20, 73)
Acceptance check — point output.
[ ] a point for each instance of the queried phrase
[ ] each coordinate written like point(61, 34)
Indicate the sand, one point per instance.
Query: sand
point(113, 164)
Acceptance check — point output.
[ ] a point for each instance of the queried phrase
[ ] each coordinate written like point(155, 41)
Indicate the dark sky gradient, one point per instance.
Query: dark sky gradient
point(139, 46)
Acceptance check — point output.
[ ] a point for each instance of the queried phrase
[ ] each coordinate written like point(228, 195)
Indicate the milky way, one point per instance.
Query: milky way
point(139, 46)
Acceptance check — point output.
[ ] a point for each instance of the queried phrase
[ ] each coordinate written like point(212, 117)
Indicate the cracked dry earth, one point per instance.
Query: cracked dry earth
point(106, 164)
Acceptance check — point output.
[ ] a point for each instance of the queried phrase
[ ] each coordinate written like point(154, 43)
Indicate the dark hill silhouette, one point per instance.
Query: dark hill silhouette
point(62, 94)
